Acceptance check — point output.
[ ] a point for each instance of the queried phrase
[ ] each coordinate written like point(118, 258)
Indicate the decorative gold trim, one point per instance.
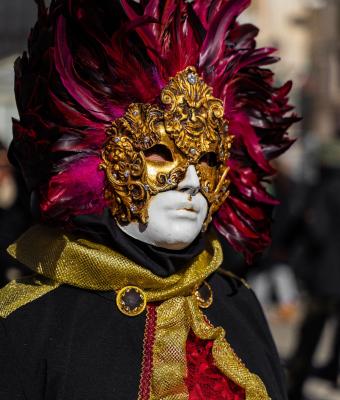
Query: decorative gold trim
point(123, 306)
point(147, 363)
point(230, 274)
point(169, 351)
point(204, 303)
point(18, 293)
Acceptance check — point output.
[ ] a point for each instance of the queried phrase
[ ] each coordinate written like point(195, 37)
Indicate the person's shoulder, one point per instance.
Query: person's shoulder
point(233, 279)
point(236, 293)
point(231, 285)
point(21, 292)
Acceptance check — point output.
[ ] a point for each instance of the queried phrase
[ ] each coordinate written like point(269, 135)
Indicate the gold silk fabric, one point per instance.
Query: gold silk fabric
point(19, 293)
point(60, 258)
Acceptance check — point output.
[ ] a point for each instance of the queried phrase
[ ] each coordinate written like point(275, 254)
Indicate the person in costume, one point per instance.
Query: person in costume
point(143, 127)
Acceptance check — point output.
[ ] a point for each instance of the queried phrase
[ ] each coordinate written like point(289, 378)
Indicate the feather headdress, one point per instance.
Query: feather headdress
point(88, 60)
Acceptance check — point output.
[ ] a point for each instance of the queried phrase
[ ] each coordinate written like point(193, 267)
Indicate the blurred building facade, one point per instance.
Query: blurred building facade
point(16, 19)
point(324, 90)
point(306, 33)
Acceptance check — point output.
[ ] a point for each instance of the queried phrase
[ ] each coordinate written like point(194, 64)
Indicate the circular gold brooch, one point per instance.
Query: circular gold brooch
point(204, 295)
point(131, 300)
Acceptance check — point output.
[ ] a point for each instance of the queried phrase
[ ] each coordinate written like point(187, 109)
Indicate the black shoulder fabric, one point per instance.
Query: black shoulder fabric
point(10, 384)
point(73, 344)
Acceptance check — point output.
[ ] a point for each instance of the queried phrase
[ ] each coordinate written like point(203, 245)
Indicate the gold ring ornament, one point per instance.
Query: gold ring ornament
point(189, 125)
point(131, 300)
point(204, 295)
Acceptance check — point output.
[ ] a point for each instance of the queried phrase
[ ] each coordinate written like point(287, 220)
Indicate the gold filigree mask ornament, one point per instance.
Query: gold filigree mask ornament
point(150, 148)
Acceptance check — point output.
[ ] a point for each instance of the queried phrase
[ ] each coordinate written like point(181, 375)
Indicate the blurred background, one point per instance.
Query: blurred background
point(298, 279)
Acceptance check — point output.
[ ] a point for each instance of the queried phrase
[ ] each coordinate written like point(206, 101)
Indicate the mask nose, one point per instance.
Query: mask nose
point(190, 183)
point(193, 116)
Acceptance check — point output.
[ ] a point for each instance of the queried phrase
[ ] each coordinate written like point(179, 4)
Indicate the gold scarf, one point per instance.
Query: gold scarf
point(60, 258)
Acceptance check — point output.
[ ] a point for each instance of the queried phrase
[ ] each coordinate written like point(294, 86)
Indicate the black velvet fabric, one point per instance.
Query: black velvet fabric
point(73, 344)
point(70, 344)
point(162, 262)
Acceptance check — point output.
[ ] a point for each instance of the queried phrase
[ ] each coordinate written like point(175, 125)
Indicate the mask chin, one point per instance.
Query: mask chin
point(140, 232)
point(174, 221)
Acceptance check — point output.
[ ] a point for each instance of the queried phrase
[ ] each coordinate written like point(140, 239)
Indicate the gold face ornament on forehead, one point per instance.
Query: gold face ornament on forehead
point(187, 129)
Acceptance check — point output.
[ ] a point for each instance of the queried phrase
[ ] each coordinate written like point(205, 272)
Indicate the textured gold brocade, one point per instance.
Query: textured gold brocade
point(18, 293)
point(175, 318)
point(64, 259)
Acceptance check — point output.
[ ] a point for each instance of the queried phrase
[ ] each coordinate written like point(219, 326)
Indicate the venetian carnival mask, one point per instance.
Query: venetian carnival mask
point(187, 129)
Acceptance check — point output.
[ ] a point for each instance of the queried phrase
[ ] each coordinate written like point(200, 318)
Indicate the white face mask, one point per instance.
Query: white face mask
point(176, 216)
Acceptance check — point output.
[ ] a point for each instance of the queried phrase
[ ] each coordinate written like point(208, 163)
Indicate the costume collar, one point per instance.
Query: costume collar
point(162, 262)
point(68, 259)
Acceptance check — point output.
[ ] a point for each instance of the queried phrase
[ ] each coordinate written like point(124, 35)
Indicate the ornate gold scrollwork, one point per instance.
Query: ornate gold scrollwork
point(190, 123)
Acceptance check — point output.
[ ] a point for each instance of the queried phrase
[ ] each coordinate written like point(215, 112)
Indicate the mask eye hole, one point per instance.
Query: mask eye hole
point(208, 159)
point(159, 152)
